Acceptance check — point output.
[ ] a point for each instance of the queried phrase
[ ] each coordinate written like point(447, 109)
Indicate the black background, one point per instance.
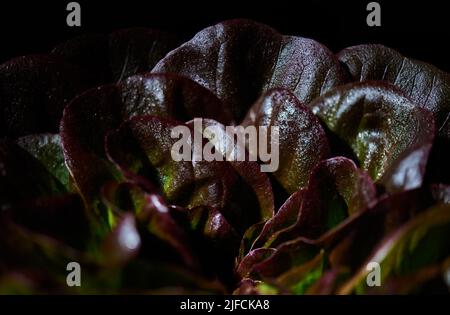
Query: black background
point(417, 29)
point(278, 304)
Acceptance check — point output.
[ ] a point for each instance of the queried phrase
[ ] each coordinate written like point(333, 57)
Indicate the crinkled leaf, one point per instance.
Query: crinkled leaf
point(302, 141)
point(425, 84)
point(213, 225)
point(240, 59)
point(22, 177)
point(174, 227)
point(320, 215)
point(253, 257)
point(90, 116)
point(248, 170)
point(142, 146)
point(152, 213)
point(291, 254)
point(285, 217)
point(248, 239)
point(201, 232)
point(337, 190)
point(387, 215)
point(85, 122)
point(341, 189)
point(422, 241)
point(390, 134)
point(170, 96)
point(287, 256)
point(48, 150)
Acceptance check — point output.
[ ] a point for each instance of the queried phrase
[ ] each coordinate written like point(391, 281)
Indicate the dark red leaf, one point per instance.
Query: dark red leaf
point(302, 141)
point(390, 135)
point(423, 83)
point(240, 59)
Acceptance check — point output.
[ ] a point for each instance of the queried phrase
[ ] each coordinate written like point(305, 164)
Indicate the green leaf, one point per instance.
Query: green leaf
point(390, 134)
point(422, 241)
point(47, 149)
point(425, 84)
